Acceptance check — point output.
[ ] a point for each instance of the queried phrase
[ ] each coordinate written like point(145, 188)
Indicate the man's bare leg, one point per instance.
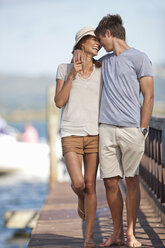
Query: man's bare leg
point(115, 202)
point(132, 205)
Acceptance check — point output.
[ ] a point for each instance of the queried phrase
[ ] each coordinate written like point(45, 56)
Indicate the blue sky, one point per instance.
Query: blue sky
point(37, 35)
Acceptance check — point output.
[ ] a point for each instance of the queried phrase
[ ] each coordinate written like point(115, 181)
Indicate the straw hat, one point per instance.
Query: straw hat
point(83, 32)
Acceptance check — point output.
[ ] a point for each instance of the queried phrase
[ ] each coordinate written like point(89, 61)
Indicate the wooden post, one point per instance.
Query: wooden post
point(53, 114)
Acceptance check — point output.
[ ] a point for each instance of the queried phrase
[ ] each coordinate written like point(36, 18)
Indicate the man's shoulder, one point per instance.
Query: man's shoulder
point(137, 53)
point(106, 57)
point(142, 63)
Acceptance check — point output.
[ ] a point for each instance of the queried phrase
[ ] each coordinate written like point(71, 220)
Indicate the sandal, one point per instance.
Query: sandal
point(81, 213)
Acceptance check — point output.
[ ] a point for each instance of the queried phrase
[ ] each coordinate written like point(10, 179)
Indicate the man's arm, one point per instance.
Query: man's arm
point(147, 89)
point(78, 55)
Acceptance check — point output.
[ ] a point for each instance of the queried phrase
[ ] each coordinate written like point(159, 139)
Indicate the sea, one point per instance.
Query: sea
point(41, 127)
point(19, 192)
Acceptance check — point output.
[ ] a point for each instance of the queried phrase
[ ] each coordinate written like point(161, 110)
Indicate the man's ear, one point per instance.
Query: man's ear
point(108, 33)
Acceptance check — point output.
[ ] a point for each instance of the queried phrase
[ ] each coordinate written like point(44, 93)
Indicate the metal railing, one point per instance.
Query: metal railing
point(152, 168)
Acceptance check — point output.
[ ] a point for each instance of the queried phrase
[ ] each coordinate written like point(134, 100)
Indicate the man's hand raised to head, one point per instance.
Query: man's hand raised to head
point(78, 55)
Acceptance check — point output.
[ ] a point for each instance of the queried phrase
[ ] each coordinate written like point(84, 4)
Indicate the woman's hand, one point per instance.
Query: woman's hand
point(77, 68)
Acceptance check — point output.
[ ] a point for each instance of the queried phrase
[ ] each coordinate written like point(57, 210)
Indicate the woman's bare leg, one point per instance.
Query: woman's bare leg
point(74, 166)
point(91, 165)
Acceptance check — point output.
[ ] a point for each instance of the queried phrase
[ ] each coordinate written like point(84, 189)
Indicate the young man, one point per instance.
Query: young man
point(124, 124)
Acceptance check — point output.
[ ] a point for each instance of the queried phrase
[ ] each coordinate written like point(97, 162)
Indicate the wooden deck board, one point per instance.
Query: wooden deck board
point(59, 225)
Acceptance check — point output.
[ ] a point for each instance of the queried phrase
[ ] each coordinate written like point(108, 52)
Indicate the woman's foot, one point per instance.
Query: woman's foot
point(132, 241)
point(113, 240)
point(89, 243)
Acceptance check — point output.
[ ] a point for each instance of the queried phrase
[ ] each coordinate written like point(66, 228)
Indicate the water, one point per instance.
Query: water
point(19, 192)
point(41, 127)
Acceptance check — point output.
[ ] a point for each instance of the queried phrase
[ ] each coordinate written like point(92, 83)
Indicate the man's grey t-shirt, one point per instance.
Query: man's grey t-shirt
point(120, 101)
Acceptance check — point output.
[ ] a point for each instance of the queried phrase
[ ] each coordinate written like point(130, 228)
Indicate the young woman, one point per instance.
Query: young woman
point(78, 91)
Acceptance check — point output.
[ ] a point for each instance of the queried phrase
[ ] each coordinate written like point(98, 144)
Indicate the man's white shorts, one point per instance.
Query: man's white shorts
point(120, 150)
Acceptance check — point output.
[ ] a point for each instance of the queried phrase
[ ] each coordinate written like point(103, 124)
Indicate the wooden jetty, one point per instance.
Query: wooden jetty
point(59, 225)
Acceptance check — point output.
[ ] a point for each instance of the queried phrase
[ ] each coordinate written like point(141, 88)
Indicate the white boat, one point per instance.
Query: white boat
point(28, 158)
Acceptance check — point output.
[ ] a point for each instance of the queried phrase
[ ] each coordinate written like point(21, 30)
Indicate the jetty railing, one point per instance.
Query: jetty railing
point(152, 168)
point(53, 117)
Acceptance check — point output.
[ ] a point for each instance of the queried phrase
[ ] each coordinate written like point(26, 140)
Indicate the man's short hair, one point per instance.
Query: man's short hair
point(112, 22)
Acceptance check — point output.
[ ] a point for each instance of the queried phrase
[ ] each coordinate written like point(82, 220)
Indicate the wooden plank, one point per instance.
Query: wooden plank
point(21, 219)
point(59, 225)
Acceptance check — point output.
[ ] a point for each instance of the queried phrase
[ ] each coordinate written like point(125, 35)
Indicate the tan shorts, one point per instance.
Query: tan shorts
point(120, 150)
point(80, 144)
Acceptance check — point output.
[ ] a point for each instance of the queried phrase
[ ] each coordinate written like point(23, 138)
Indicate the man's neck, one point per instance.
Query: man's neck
point(119, 46)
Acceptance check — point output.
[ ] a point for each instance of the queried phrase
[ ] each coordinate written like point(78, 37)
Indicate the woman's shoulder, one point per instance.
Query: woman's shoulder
point(97, 69)
point(64, 68)
point(98, 73)
point(64, 65)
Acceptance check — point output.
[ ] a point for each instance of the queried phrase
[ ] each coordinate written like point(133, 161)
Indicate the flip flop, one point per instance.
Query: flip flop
point(81, 213)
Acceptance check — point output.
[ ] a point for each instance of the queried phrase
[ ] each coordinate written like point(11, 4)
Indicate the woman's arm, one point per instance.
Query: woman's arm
point(63, 88)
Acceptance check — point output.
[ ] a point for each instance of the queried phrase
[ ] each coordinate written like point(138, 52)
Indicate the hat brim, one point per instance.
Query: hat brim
point(91, 32)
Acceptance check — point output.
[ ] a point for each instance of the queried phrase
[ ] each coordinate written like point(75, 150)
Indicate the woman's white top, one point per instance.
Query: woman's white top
point(80, 114)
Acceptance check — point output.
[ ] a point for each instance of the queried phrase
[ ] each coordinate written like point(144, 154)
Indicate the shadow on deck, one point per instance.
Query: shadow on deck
point(60, 226)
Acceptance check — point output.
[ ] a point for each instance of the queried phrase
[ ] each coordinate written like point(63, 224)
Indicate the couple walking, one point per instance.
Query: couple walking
point(102, 114)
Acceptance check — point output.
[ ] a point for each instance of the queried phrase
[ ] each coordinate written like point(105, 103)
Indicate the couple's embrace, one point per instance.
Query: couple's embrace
point(102, 121)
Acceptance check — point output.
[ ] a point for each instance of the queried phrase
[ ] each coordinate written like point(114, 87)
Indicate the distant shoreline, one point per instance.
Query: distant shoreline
point(18, 115)
point(28, 115)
